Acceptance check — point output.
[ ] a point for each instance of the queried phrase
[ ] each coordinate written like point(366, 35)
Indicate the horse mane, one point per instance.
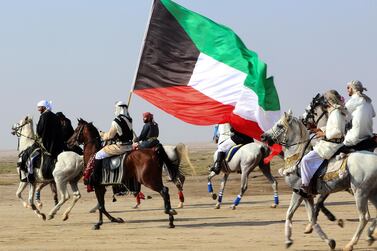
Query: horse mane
point(92, 130)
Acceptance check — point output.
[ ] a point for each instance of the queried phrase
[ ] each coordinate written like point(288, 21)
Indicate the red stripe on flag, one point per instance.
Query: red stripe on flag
point(252, 129)
point(187, 104)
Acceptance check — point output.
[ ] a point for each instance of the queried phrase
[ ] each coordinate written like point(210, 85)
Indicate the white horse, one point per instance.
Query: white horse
point(244, 160)
point(68, 168)
point(361, 177)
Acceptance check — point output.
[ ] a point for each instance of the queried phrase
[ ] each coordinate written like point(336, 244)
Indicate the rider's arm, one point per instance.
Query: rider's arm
point(110, 134)
point(144, 132)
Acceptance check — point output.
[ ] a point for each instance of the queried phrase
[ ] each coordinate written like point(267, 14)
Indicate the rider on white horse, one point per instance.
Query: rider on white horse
point(333, 136)
point(235, 139)
point(361, 111)
point(120, 135)
point(49, 131)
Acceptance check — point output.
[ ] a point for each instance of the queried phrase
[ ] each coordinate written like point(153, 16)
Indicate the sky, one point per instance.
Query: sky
point(83, 55)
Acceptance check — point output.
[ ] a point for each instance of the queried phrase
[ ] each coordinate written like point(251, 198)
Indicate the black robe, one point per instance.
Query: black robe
point(50, 131)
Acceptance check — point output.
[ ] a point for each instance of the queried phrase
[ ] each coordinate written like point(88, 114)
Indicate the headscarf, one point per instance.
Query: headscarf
point(121, 108)
point(358, 88)
point(334, 100)
point(148, 116)
point(46, 104)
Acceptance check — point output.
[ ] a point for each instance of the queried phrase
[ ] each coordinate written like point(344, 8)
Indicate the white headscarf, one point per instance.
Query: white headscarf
point(121, 108)
point(358, 88)
point(45, 103)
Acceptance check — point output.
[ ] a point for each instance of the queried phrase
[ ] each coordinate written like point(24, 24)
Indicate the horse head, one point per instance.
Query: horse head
point(84, 133)
point(315, 112)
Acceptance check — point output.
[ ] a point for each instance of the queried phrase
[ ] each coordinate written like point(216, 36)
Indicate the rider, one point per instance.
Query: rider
point(49, 129)
point(120, 135)
point(67, 132)
point(149, 138)
point(360, 107)
point(235, 139)
point(149, 133)
point(332, 137)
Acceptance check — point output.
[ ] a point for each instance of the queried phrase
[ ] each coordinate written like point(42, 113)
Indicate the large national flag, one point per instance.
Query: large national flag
point(202, 73)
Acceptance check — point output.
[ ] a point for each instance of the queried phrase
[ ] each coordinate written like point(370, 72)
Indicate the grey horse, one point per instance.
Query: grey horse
point(360, 176)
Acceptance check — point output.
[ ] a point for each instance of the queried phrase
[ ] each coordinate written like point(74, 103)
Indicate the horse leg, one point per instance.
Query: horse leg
point(54, 192)
point(320, 206)
point(309, 202)
point(94, 209)
point(76, 197)
point(100, 191)
point(21, 188)
point(210, 188)
point(296, 201)
point(64, 196)
point(244, 181)
point(31, 202)
point(38, 189)
point(168, 210)
point(221, 191)
point(362, 208)
point(371, 238)
point(266, 170)
point(179, 184)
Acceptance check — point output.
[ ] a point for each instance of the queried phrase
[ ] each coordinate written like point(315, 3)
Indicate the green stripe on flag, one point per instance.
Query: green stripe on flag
point(222, 44)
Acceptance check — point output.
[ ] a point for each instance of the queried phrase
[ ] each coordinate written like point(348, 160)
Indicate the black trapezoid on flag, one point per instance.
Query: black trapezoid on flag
point(169, 55)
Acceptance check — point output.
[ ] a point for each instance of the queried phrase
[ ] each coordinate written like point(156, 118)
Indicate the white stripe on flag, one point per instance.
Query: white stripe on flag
point(247, 108)
point(217, 80)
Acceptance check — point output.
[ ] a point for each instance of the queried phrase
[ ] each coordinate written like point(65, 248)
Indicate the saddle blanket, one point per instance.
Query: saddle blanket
point(232, 151)
point(336, 169)
point(112, 170)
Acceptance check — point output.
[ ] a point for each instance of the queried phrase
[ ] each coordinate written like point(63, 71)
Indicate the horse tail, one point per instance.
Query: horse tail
point(265, 151)
point(173, 169)
point(183, 153)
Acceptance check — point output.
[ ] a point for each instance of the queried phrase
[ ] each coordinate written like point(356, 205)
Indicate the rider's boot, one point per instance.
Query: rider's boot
point(217, 165)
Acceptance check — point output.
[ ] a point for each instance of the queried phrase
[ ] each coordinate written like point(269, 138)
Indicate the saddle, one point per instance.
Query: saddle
point(330, 170)
point(112, 169)
point(34, 158)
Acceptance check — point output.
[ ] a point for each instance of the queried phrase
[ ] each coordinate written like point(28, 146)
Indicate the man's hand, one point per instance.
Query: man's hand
point(135, 146)
point(320, 133)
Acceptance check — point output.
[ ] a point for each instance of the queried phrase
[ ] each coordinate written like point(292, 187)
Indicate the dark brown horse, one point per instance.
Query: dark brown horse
point(143, 166)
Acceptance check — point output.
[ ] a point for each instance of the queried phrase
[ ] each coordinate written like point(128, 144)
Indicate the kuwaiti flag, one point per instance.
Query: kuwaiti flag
point(202, 73)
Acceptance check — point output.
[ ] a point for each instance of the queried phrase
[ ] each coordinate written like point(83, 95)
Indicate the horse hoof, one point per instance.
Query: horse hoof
point(308, 229)
point(120, 220)
point(233, 207)
point(288, 244)
point(50, 217)
point(371, 240)
point(180, 205)
point(92, 211)
point(65, 217)
point(171, 225)
point(43, 216)
point(172, 212)
point(96, 227)
point(332, 244)
point(136, 206)
point(214, 196)
point(274, 206)
point(348, 248)
point(217, 206)
point(341, 223)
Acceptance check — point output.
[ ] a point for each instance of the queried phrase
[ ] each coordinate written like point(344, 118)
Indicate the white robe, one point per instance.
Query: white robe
point(362, 114)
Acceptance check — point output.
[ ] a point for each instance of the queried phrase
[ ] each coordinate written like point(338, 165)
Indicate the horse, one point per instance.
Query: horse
point(176, 154)
point(143, 166)
point(23, 144)
point(68, 168)
point(360, 176)
point(244, 160)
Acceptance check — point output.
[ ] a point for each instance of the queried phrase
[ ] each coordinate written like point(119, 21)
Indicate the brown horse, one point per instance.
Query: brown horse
point(143, 166)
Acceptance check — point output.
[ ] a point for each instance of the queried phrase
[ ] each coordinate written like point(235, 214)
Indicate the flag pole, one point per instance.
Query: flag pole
point(141, 51)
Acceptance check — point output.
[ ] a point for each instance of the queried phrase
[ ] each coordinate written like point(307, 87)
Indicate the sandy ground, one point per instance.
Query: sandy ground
point(253, 226)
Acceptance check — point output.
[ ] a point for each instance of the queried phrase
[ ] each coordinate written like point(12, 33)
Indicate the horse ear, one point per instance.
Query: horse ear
point(288, 115)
